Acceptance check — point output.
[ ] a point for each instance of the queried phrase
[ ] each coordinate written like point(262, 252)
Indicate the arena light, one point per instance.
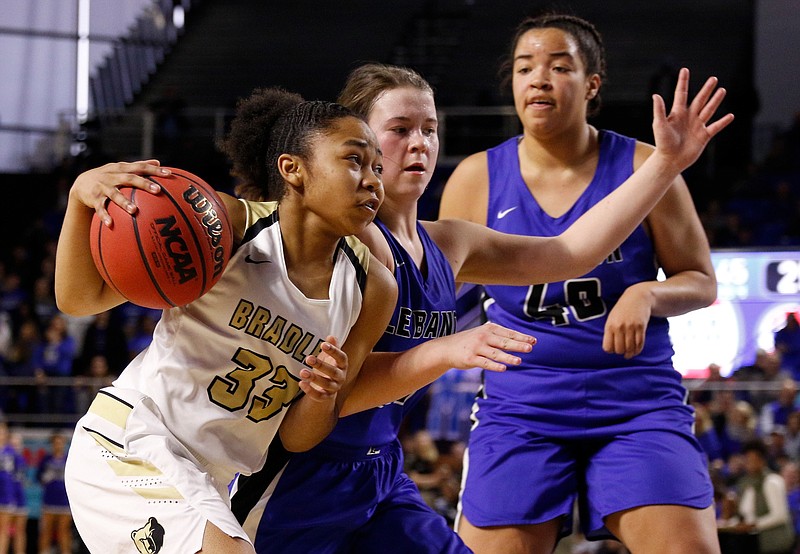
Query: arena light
point(178, 16)
point(82, 65)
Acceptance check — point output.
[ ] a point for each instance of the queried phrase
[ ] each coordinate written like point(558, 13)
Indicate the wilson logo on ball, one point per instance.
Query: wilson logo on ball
point(211, 221)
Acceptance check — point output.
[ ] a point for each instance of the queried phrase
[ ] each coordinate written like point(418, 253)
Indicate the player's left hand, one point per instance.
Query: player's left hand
point(327, 372)
point(487, 347)
point(627, 324)
point(682, 135)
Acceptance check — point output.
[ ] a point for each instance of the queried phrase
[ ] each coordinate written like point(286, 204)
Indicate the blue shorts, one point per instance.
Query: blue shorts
point(7, 495)
point(20, 500)
point(527, 470)
point(337, 500)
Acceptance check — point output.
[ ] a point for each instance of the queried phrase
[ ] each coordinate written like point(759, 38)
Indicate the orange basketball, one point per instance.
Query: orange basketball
point(172, 250)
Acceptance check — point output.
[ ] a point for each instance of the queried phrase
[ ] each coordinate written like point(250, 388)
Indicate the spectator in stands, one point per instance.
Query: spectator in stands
point(19, 521)
point(764, 370)
point(55, 521)
point(741, 426)
point(451, 398)
point(142, 334)
point(54, 357)
point(706, 434)
point(421, 463)
point(7, 469)
point(787, 342)
point(13, 295)
point(104, 336)
point(96, 376)
point(707, 391)
point(43, 299)
point(776, 412)
point(763, 503)
point(792, 436)
point(21, 363)
point(776, 452)
point(791, 476)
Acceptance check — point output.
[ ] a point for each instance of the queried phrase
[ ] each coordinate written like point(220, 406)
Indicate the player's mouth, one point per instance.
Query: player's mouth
point(372, 205)
point(417, 167)
point(540, 102)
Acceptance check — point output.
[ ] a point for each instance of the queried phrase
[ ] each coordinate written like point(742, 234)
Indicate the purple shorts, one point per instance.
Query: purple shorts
point(347, 500)
point(528, 469)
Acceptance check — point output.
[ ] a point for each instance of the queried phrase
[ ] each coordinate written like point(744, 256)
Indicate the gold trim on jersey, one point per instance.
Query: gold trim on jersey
point(111, 409)
point(133, 468)
point(358, 255)
point(158, 493)
point(261, 215)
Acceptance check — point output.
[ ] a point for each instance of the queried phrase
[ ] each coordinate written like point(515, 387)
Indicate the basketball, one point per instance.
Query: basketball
point(172, 250)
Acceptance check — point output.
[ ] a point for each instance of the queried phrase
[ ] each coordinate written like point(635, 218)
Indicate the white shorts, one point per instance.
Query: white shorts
point(133, 487)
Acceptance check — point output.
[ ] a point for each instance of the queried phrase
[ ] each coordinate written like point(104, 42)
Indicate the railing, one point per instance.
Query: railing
point(83, 390)
point(463, 130)
point(80, 390)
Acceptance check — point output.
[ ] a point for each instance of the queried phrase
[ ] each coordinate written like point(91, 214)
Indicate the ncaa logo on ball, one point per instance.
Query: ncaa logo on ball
point(171, 251)
point(170, 246)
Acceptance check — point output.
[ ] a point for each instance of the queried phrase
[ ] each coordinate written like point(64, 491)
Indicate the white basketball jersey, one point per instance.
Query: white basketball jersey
point(224, 368)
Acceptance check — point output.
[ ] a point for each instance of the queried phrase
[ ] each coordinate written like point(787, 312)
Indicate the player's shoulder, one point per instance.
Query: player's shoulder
point(378, 245)
point(641, 152)
point(473, 165)
point(469, 177)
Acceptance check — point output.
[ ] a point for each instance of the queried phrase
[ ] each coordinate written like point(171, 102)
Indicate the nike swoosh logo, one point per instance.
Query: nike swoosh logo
point(250, 260)
point(502, 213)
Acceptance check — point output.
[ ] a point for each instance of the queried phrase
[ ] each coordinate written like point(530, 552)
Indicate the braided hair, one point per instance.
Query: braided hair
point(270, 122)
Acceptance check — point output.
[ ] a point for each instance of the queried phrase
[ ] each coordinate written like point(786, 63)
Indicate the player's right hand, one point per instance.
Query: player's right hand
point(96, 187)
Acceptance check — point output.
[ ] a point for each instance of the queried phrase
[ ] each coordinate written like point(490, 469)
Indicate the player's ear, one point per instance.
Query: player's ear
point(593, 86)
point(290, 168)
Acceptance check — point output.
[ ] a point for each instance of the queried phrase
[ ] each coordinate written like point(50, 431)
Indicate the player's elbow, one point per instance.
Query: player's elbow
point(74, 303)
point(67, 304)
point(708, 293)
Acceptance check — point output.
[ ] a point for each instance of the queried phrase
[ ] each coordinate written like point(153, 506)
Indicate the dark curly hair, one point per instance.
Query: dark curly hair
point(590, 47)
point(270, 122)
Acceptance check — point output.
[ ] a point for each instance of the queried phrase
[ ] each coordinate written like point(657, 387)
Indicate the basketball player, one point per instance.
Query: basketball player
point(150, 462)
point(362, 500)
point(596, 412)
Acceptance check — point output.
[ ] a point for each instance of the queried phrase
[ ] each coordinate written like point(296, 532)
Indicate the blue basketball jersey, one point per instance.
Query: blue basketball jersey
point(568, 317)
point(425, 310)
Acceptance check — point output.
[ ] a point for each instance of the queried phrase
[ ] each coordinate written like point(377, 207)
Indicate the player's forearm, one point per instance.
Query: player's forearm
point(307, 423)
point(79, 288)
point(679, 294)
point(388, 376)
point(609, 222)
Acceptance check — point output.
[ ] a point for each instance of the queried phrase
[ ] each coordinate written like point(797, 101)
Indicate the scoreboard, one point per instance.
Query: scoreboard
point(755, 291)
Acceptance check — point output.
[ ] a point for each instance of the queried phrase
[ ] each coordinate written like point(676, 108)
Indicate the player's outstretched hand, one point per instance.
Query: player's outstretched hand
point(95, 187)
point(487, 347)
point(328, 371)
point(682, 135)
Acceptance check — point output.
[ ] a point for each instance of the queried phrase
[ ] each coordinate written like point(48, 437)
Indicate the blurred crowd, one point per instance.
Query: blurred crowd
point(748, 425)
